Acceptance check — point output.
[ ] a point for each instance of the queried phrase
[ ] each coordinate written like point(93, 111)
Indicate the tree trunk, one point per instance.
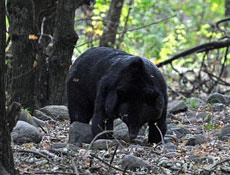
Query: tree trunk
point(45, 13)
point(65, 40)
point(21, 17)
point(6, 156)
point(111, 24)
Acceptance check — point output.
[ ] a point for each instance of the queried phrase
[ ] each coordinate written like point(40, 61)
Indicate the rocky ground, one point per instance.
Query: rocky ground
point(197, 142)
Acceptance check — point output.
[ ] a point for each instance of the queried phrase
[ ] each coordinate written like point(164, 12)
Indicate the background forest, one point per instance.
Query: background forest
point(188, 40)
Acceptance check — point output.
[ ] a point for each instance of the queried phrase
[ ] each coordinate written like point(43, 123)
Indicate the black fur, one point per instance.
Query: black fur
point(105, 83)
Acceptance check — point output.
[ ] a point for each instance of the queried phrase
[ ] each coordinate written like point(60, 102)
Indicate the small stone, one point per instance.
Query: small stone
point(217, 98)
point(103, 144)
point(179, 131)
point(120, 129)
point(58, 145)
point(196, 140)
point(177, 106)
point(164, 162)
point(133, 162)
point(217, 107)
point(170, 146)
point(225, 133)
point(171, 155)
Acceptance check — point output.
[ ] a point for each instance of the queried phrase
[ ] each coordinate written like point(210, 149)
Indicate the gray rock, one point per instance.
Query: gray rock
point(164, 162)
point(103, 144)
point(171, 155)
point(56, 112)
point(225, 169)
point(196, 140)
point(202, 115)
point(177, 106)
point(217, 98)
point(225, 133)
point(26, 117)
point(133, 162)
point(170, 146)
point(120, 129)
point(38, 121)
point(24, 132)
point(41, 115)
point(58, 145)
point(80, 133)
point(178, 130)
point(217, 107)
point(196, 158)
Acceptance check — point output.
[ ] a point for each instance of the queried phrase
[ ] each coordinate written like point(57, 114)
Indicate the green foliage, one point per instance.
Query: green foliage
point(192, 25)
point(210, 126)
point(192, 103)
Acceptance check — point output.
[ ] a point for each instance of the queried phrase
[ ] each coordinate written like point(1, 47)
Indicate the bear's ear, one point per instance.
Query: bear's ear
point(136, 63)
point(110, 104)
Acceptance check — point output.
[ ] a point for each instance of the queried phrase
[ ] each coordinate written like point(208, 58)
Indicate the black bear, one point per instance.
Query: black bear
point(105, 83)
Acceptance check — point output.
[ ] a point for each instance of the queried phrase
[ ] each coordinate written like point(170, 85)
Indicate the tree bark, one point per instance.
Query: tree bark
point(111, 24)
point(6, 156)
point(65, 40)
point(45, 13)
point(21, 18)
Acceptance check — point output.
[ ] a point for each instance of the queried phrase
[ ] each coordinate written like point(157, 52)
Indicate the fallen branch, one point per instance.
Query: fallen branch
point(111, 166)
point(33, 152)
point(200, 48)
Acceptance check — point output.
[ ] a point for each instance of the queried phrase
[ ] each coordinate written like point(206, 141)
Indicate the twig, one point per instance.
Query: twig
point(114, 153)
point(219, 163)
point(162, 139)
point(98, 135)
point(119, 169)
point(31, 151)
point(57, 151)
point(75, 167)
point(222, 21)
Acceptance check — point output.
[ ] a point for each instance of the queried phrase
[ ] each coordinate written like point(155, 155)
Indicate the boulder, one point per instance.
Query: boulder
point(56, 112)
point(80, 133)
point(24, 132)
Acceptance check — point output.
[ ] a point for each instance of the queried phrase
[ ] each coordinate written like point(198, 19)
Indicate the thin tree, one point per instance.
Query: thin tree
point(111, 24)
point(6, 156)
